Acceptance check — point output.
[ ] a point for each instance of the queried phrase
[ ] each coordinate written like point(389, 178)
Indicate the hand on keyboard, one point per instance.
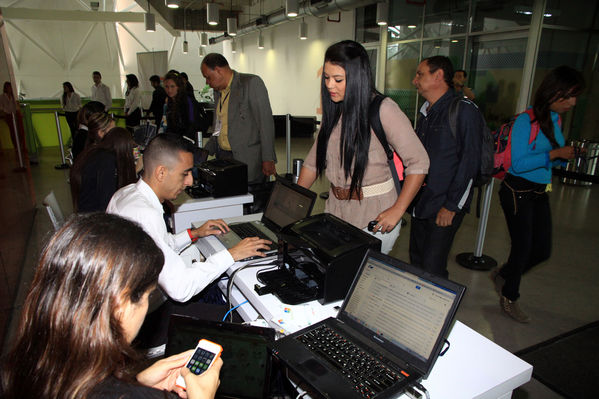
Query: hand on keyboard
point(211, 227)
point(250, 246)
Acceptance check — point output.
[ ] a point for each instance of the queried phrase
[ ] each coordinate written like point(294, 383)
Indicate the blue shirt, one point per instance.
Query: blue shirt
point(531, 161)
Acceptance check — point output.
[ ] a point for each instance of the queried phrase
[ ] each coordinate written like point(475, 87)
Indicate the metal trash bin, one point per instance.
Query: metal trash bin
point(585, 162)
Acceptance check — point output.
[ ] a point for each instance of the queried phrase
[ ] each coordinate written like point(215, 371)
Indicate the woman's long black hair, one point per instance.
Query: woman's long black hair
point(561, 82)
point(69, 86)
point(353, 110)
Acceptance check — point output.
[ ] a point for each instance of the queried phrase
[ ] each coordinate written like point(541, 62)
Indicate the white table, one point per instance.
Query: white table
point(473, 367)
point(189, 209)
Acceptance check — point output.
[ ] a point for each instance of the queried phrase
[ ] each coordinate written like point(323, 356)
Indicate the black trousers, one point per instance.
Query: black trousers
point(528, 218)
point(430, 244)
point(72, 122)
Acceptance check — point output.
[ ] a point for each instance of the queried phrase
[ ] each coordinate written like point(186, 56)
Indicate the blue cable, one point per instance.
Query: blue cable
point(232, 309)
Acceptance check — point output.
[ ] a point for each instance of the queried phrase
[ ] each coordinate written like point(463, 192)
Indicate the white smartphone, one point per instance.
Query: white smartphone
point(202, 359)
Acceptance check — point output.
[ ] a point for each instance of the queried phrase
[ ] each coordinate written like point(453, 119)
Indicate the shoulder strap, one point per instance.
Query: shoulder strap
point(375, 121)
point(535, 127)
point(454, 108)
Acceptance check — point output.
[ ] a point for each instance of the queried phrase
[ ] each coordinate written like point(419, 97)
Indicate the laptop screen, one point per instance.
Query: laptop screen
point(403, 308)
point(246, 358)
point(288, 203)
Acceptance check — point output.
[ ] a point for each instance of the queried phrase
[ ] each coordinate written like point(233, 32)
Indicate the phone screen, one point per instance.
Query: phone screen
point(200, 361)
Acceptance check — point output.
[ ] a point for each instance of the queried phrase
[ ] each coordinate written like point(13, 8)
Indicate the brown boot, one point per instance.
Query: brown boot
point(512, 309)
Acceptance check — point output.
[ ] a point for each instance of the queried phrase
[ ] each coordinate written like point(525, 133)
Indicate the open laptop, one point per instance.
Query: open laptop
point(387, 335)
point(288, 203)
point(246, 358)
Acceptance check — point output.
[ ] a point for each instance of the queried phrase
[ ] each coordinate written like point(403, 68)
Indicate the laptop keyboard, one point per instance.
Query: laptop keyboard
point(245, 230)
point(367, 375)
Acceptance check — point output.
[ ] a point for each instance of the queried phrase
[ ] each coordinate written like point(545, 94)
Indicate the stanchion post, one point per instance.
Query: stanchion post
point(476, 260)
point(17, 140)
point(63, 165)
point(288, 141)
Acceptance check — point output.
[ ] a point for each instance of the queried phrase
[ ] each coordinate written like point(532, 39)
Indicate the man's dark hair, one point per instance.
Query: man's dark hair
point(214, 60)
point(461, 70)
point(441, 62)
point(97, 73)
point(164, 150)
point(155, 79)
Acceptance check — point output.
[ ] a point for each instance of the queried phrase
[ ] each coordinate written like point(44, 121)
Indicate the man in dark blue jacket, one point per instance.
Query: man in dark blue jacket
point(445, 197)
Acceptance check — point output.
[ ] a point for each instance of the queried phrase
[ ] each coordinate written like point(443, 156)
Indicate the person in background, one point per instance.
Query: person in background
point(459, 84)
point(455, 159)
point(158, 99)
point(98, 125)
point(83, 115)
point(8, 108)
point(348, 151)
point(243, 126)
point(132, 103)
point(523, 192)
point(88, 299)
point(71, 104)
point(101, 170)
point(182, 111)
point(101, 92)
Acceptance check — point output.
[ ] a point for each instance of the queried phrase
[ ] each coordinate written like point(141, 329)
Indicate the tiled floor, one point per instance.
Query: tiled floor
point(559, 295)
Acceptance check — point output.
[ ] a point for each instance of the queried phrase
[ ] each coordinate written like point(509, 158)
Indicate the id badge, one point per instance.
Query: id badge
point(217, 127)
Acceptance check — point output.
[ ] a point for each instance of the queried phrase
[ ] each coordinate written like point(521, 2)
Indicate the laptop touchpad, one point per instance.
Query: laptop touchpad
point(314, 367)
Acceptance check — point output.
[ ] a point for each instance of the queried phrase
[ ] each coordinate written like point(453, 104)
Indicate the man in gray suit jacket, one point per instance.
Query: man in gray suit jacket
point(243, 122)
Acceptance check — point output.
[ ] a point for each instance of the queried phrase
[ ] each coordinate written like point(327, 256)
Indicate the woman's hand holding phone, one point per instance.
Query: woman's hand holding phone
point(202, 386)
point(163, 374)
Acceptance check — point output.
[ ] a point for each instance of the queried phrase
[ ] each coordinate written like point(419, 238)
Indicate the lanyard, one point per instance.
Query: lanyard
point(222, 101)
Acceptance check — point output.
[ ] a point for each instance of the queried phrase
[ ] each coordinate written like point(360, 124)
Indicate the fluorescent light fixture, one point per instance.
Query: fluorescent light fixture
point(212, 13)
point(303, 30)
point(173, 3)
point(382, 13)
point(260, 40)
point(150, 21)
point(185, 47)
point(203, 39)
point(233, 47)
point(454, 40)
point(292, 7)
point(412, 26)
point(232, 26)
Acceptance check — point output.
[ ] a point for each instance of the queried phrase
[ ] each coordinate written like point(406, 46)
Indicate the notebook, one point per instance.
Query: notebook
point(288, 203)
point(394, 318)
point(246, 358)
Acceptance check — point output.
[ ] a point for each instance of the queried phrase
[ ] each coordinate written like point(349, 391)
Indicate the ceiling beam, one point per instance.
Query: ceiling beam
point(70, 15)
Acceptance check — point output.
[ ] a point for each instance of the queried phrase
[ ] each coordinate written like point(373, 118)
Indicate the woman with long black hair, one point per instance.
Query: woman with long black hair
point(71, 104)
point(523, 193)
point(85, 306)
point(183, 116)
point(132, 103)
point(350, 154)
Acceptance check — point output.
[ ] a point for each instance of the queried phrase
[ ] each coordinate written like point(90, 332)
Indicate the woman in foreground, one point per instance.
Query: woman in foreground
point(87, 302)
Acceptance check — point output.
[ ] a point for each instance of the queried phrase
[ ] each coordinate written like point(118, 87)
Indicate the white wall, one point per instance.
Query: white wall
point(290, 67)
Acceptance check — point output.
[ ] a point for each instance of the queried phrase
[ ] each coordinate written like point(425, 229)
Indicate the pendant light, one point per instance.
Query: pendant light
point(150, 20)
point(173, 3)
point(203, 39)
point(260, 40)
point(212, 13)
point(382, 13)
point(233, 46)
point(303, 30)
point(292, 8)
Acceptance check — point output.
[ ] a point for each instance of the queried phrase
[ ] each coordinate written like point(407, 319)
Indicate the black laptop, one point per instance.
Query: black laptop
point(246, 358)
point(288, 203)
point(387, 335)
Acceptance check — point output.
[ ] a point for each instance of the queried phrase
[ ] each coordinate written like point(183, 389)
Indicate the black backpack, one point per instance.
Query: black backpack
point(487, 155)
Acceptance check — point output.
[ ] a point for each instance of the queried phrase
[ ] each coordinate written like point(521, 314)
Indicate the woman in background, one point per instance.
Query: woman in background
point(523, 193)
point(83, 115)
point(87, 302)
point(352, 157)
point(181, 111)
point(71, 104)
point(132, 103)
point(101, 170)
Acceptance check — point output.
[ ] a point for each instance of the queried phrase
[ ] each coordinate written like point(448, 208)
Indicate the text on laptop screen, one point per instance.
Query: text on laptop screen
point(287, 206)
point(400, 306)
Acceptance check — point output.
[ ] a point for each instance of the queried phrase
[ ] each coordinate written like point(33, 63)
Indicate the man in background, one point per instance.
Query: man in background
point(243, 124)
point(158, 97)
point(459, 84)
point(101, 92)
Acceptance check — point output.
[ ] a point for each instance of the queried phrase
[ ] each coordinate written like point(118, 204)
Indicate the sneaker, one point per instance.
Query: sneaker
point(497, 280)
point(512, 309)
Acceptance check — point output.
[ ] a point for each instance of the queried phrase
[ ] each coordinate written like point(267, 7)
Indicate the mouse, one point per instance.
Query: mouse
point(371, 225)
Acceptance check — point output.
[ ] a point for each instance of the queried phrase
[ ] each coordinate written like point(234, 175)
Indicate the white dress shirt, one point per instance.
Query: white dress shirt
point(73, 103)
point(101, 93)
point(139, 203)
point(133, 100)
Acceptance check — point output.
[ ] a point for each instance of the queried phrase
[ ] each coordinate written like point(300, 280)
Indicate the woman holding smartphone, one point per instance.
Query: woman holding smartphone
point(87, 302)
